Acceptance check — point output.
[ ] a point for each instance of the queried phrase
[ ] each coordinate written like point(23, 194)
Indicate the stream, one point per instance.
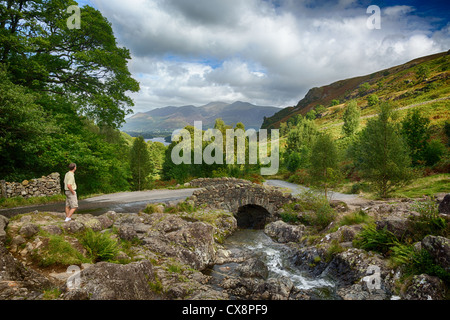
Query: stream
point(277, 257)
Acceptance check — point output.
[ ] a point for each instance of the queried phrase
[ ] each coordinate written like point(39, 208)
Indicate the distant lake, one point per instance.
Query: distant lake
point(158, 140)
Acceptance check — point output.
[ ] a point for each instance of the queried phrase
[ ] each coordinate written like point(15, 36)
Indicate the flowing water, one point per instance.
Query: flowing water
point(278, 259)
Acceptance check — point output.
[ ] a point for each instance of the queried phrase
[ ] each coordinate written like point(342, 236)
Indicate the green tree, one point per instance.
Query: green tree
point(335, 102)
point(363, 88)
point(422, 72)
point(23, 127)
point(447, 132)
point(434, 152)
point(311, 115)
point(373, 100)
point(140, 164)
point(416, 130)
point(324, 170)
point(85, 66)
point(300, 139)
point(382, 155)
point(352, 115)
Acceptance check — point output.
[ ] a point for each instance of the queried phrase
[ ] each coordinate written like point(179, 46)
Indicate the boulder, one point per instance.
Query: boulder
point(425, 287)
point(253, 268)
point(444, 206)
point(439, 249)
point(28, 230)
point(3, 224)
point(73, 227)
point(274, 289)
point(52, 229)
point(127, 232)
point(283, 232)
point(399, 227)
point(196, 245)
point(108, 281)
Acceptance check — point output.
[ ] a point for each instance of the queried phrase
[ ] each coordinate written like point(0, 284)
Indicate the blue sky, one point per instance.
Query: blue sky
point(266, 52)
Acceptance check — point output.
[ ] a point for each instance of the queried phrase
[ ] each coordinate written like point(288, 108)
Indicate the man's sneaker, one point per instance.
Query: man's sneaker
point(68, 219)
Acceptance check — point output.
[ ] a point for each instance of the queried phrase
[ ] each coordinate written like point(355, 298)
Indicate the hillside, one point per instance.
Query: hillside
point(169, 119)
point(419, 81)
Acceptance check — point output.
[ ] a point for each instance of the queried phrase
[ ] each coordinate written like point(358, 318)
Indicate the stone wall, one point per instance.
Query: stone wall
point(41, 187)
point(207, 182)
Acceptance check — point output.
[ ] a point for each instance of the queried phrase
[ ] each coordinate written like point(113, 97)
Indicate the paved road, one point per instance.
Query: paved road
point(127, 202)
point(133, 202)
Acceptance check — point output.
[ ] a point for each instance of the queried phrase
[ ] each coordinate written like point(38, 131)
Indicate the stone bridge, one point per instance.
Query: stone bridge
point(252, 204)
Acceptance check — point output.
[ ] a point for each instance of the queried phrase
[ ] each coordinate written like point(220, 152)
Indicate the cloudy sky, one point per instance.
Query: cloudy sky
point(266, 52)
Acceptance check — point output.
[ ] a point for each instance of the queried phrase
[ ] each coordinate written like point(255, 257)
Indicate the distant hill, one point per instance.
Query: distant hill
point(401, 85)
point(169, 119)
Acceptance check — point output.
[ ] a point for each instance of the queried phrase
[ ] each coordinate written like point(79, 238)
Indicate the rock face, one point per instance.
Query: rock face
point(425, 287)
point(41, 187)
point(18, 282)
point(400, 227)
point(439, 249)
point(108, 281)
point(165, 248)
point(191, 243)
point(3, 224)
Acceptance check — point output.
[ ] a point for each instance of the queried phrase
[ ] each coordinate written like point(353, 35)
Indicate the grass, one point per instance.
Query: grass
point(425, 186)
point(59, 251)
point(21, 202)
point(353, 218)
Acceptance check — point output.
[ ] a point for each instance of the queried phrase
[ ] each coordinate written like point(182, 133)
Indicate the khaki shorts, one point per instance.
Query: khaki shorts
point(71, 200)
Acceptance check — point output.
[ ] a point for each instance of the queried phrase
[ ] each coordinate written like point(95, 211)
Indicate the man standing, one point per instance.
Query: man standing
point(70, 188)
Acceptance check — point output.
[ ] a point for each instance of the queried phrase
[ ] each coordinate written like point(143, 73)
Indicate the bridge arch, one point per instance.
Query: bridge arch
point(253, 205)
point(252, 216)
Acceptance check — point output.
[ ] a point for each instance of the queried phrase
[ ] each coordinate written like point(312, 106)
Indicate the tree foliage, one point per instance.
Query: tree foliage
point(382, 154)
point(63, 94)
point(324, 169)
point(84, 65)
point(141, 166)
point(351, 118)
point(416, 130)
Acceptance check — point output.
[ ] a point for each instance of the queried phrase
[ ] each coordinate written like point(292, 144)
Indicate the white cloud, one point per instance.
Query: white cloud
point(197, 51)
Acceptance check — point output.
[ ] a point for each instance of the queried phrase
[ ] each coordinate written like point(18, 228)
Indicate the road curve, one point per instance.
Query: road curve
point(295, 189)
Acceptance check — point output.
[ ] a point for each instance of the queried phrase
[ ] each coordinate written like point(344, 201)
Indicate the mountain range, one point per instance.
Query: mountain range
point(170, 118)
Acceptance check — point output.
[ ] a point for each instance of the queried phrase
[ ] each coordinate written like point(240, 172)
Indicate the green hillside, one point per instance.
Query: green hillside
point(423, 83)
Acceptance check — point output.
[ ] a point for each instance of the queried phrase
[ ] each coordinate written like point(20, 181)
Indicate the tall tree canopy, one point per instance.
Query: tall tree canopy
point(63, 95)
point(84, 65)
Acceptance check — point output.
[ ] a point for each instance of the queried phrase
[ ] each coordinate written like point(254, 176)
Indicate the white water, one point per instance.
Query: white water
point(277, 257)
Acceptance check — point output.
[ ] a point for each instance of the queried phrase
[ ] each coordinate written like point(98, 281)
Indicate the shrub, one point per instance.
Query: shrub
point(319, 213)
point(289, 217)
point(151, 208)
point(376, 240)
point(429, 222)
point(100, 246)
point(415, 262)
point(356, 217)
